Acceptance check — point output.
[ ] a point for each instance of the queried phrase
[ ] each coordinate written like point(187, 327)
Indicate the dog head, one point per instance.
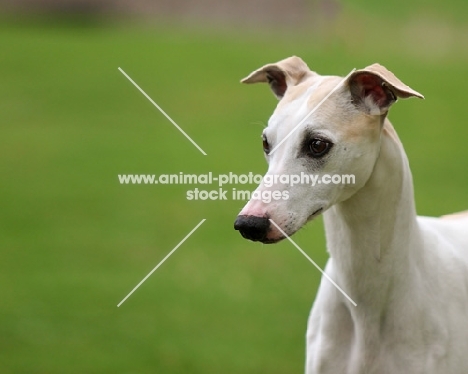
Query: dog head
point(321, 143)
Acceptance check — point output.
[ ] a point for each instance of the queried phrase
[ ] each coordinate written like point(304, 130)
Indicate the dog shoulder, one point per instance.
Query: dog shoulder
point(456, 216)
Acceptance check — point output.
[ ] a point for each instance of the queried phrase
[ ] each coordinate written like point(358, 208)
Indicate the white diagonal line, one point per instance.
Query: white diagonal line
point(162, 261)
point(312, 111)
point(163, 112)
point(313, 263)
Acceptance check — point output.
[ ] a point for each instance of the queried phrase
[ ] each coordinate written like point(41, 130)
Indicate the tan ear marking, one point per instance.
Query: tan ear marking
point(280, 75)
point(402, 90)
point(374, 89)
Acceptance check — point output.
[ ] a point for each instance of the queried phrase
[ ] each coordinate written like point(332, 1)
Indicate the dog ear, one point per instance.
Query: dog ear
point(281, 75)
point(374, 89)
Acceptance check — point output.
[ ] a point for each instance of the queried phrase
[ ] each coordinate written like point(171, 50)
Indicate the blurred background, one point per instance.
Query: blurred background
point(74, 241)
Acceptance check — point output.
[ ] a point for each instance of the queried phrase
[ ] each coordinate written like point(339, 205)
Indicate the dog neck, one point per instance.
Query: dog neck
point(371, 235)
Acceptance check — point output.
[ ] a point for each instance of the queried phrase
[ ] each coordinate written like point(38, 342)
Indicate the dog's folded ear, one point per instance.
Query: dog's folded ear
point(281, 75)
point(374, 89)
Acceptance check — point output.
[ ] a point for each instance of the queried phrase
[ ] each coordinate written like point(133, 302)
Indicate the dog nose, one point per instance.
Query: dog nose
point(252, 227)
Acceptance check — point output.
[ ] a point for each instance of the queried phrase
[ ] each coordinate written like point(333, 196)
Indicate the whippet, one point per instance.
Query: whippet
point(407, 274)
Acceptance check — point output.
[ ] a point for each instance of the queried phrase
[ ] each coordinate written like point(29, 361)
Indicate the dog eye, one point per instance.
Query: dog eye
point(266, 145)
point(319, 147)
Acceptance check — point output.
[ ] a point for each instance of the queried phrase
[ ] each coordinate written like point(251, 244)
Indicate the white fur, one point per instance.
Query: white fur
point(412, 311)
point(407, 274)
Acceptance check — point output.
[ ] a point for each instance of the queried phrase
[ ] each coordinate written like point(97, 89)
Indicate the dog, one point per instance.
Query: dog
point(407, 274)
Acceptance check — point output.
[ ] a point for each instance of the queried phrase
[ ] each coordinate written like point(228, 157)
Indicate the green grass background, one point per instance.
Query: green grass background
point(74, 242)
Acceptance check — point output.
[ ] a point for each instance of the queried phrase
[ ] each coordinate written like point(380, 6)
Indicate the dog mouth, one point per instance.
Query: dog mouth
point(267, 240)
point(315, 214)
point(259, 229)
point(273, 240)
